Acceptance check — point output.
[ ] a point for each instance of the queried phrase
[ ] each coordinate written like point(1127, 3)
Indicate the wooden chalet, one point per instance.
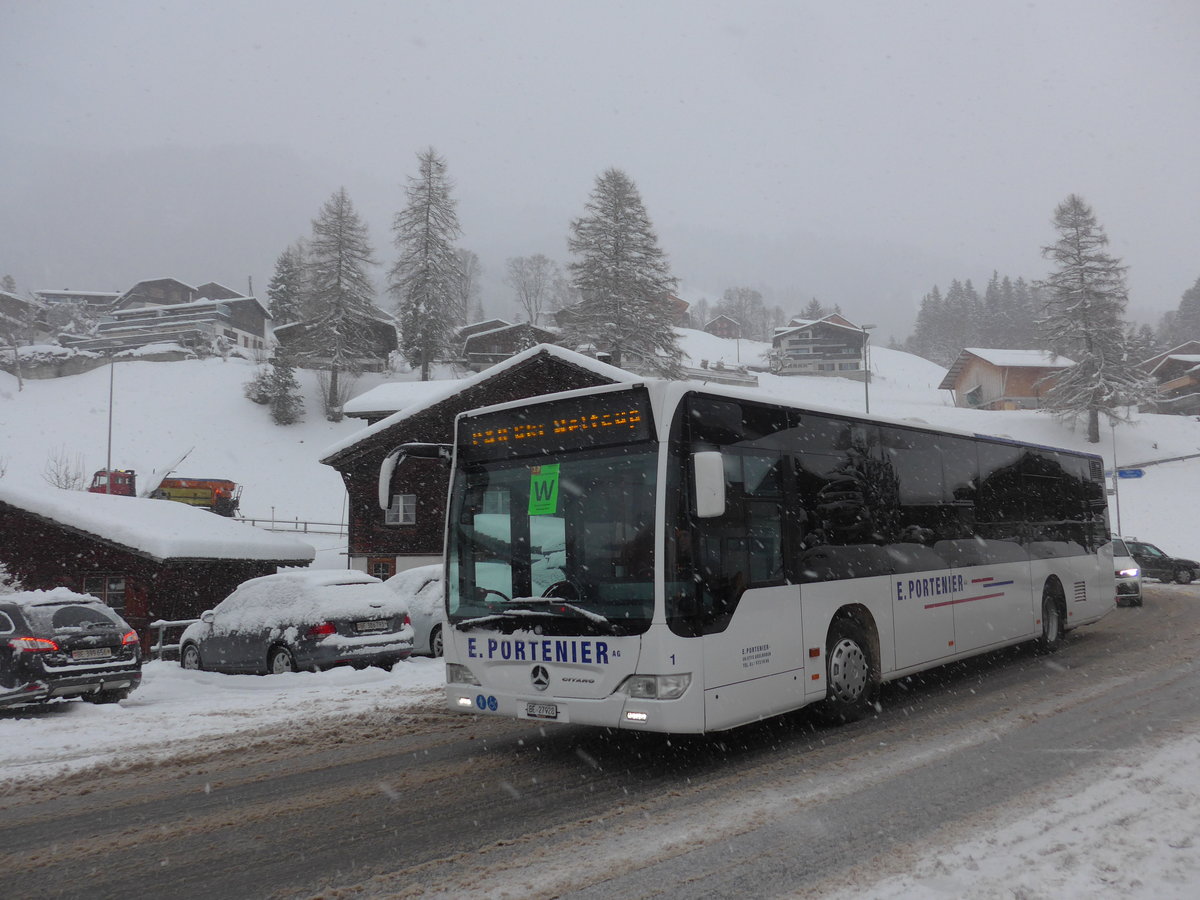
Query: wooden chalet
point(1177, 374)
point(486, 348)
point(724, 327)
point(148, 559)
point(828, 346)
point(982, 378)
point(410, 532)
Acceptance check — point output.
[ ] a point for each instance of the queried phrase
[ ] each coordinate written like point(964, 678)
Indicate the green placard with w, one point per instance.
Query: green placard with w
point(543, 490)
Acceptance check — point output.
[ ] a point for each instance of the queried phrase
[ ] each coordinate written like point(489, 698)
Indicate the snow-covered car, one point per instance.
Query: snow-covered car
point(62, 644)
point(1157, 564)
point(301, 620)
point(421, 589)
point(1128, 573)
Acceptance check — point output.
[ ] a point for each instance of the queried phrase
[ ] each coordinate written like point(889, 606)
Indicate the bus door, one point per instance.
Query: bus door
point(749, 616)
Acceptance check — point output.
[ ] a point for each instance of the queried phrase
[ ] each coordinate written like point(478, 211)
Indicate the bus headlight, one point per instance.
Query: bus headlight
point(655, 687)
point(1127, 573)
point(456, 674)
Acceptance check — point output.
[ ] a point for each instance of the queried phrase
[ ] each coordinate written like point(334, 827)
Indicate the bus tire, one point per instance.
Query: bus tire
point(852, 676)
point(1053, 621)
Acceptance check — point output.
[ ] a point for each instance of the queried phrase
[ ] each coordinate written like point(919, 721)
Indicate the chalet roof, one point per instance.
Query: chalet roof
point(1185, 361)
point(833, 321)
point(720, 317)
point(542, 333)
point(482, 326)
point(385, 399)
point(1187, 347)
point(204, 303)
point(160, 529)
point(1003, 359)
point(452, 388)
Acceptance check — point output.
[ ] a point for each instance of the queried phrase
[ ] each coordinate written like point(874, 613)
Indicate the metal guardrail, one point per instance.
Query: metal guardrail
point(1158, 462)
point(158, 648)
point(297, 526)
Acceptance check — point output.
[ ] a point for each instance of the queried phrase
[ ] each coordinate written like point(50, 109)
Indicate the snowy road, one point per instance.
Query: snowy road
point(396, 803)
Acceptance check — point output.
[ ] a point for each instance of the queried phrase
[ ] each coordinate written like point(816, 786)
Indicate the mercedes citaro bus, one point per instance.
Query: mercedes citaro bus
point(676, 558)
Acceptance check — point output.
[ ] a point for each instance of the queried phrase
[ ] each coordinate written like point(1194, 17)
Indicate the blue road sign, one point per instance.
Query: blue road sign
point(1130, 473)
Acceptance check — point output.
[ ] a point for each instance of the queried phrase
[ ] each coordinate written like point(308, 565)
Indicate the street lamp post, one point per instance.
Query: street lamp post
point(867, 366)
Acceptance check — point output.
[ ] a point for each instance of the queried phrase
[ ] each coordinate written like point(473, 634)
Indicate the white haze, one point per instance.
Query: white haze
point(859, 153)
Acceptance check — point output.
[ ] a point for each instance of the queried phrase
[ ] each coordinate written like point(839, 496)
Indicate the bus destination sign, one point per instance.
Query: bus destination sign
point(597, 420)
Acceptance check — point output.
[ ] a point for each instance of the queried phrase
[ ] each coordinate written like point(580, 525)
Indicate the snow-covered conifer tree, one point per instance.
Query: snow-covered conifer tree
point(425, 278)
point(286, 287)
point(623, 278)
point(1085, 298)
point(343, 315)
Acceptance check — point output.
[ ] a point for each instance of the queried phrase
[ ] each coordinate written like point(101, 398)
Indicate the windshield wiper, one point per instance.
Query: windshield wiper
point(537, 607)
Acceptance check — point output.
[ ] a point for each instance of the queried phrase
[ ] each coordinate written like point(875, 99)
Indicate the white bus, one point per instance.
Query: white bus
point(666, 557)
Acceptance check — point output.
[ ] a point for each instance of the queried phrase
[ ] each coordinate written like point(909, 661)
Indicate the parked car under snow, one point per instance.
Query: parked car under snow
point(59, 644)
point(421, 588)
point(301, 620)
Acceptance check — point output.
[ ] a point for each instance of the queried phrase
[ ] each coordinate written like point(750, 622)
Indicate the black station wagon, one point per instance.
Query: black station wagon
point(59, 644)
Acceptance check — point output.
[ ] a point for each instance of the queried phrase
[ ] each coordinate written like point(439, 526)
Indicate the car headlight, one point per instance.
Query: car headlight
point(1128, 573)
point(459, 674)
point(655, 687)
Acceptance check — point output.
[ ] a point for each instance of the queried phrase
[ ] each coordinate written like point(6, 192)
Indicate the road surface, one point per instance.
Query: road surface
point(433, 804)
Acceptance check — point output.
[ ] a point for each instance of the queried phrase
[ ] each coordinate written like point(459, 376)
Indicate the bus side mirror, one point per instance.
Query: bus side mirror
point(708, 474)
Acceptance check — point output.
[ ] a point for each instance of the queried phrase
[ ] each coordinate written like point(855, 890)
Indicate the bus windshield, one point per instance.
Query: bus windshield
point(560, 544)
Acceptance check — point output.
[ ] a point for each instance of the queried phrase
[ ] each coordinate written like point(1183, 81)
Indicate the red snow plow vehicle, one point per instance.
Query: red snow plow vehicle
point(219, 495)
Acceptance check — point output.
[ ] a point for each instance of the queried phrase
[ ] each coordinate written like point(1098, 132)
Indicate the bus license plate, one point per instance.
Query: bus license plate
point(541, 710)
point(94, 653)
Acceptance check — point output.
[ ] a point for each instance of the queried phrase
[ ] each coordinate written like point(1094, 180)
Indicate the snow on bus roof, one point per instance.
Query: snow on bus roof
point(163, 529)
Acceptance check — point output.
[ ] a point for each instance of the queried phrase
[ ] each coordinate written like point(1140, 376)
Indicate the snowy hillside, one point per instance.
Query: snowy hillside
point(162, 409)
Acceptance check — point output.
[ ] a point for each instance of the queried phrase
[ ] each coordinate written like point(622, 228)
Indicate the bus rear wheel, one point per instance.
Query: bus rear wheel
point(1053, 626)
point(852, 676)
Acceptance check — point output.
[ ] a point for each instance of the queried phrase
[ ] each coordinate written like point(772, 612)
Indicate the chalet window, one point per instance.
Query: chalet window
point(109, 588)
point(403, 510)
point(381, 567)
point(847, 366)
point(974, 396)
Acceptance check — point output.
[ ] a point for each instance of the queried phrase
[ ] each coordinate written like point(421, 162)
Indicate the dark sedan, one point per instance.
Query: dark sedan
point(59, 644)
point(1162, 566)
point(301, 620)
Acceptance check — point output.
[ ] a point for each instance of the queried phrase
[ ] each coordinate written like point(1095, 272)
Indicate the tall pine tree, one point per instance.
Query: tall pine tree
point(1085, 298)
point(428, 275)
point(623, 279)
point(342, 316)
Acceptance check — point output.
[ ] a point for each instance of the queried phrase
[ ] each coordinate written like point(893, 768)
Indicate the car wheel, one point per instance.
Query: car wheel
point(189, 658)
point(852, 675)
point(1184, 576)
point(280, 660)
point(1052, 623)
point(435, 641)
point(106, 696)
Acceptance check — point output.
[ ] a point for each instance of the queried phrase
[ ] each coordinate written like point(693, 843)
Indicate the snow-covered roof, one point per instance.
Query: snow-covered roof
point(1007, 359)
point(162, 529)
point(396, 395)
point(1037, 359)
point(451, 388)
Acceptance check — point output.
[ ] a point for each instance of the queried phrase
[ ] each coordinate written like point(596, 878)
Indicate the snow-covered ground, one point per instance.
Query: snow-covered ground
point(1145, 809)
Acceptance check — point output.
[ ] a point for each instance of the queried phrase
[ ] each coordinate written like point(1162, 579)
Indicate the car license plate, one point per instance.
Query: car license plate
point(93, 653)
point(373, 625)
point(541, 710)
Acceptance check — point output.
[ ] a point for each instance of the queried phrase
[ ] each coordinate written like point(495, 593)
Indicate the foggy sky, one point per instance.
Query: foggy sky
point(857, 152)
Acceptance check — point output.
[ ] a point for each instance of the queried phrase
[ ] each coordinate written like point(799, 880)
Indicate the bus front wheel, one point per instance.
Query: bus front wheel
point(852, 676)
